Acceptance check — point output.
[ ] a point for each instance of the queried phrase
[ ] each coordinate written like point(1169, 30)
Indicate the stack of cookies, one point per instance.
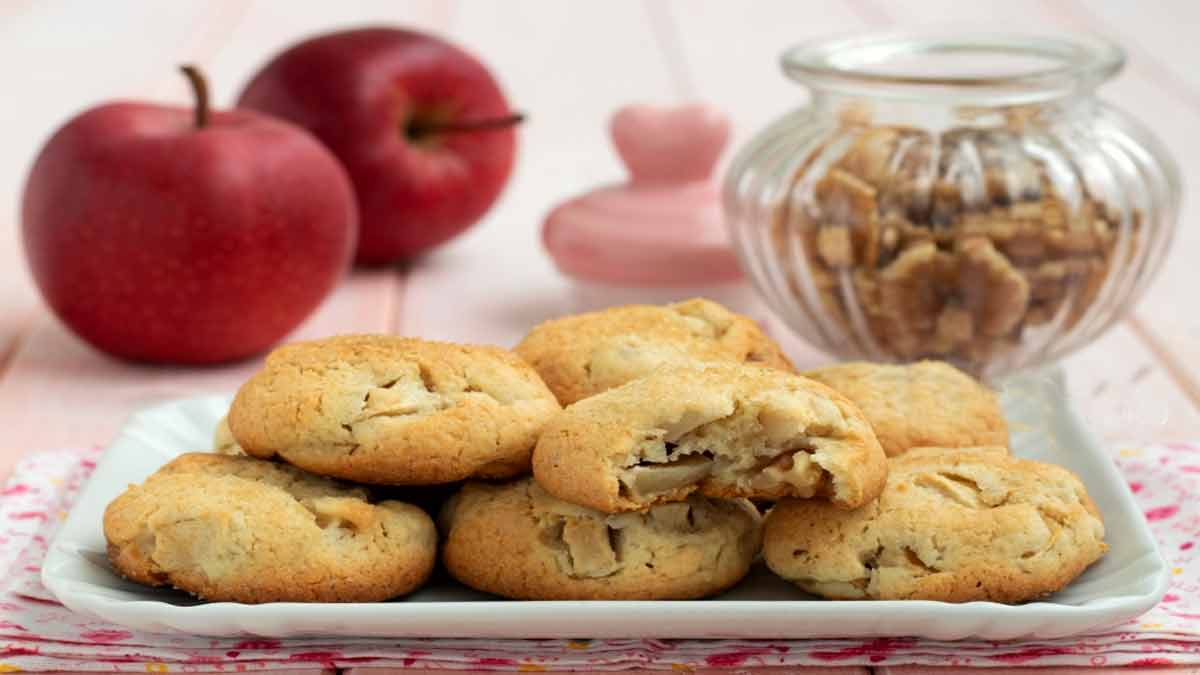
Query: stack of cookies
point(623, 454)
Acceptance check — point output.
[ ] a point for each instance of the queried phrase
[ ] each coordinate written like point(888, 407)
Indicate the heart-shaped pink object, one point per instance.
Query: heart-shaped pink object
point(662, 229)
point(678, 144)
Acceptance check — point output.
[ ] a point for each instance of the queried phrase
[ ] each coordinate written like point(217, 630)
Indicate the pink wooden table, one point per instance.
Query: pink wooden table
point(567, 65)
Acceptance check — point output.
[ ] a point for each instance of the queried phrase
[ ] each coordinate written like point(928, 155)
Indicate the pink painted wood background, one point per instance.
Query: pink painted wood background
point(567, 65)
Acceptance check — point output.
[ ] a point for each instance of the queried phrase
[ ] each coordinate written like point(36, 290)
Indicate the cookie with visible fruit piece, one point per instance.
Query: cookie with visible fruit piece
point(953, 524)
point(723, 430)
point(582, 355)
point(519, 542)
point(245, 530)
point(390, 410)
point(929, 403)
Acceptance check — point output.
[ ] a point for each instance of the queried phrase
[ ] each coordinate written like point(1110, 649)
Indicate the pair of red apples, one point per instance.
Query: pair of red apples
point(169, 234)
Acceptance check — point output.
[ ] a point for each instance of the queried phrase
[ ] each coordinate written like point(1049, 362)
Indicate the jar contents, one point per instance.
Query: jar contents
point(953, 244)
point(953, 196)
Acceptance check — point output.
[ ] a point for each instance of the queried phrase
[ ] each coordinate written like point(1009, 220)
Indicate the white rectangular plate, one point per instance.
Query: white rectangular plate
point(1130, 579)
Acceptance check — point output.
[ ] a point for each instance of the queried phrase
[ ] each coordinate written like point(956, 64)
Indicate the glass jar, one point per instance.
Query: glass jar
point(959, 198)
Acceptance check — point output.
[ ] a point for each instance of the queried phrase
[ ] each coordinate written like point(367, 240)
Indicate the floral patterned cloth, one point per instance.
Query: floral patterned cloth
point(36, 633)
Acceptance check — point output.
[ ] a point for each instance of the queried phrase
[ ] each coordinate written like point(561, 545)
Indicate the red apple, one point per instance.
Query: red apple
point(159, 233)
point(420, 125)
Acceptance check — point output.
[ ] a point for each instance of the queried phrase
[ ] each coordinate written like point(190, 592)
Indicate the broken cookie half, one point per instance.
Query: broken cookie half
point(722, 430)
point(517, 541)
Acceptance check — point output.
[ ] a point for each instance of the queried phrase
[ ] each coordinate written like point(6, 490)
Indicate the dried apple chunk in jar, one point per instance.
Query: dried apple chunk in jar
point(956, 244)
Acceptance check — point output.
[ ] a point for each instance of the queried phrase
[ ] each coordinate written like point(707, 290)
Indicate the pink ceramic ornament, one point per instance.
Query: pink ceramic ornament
point(660, 236)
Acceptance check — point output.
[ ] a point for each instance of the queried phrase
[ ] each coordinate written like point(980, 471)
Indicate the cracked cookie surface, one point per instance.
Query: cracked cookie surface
point(392, 410)
point(519, 542)
point(924, 404)
point(582, 355)
point(246, 530)
point(723, 430)
point(955, 525)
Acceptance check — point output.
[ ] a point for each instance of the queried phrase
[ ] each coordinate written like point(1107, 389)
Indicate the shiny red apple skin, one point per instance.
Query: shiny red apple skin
point(156, 241)
point(358, 90)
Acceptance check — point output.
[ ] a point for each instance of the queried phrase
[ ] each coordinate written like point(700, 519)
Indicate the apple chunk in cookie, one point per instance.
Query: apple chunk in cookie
point(723, 430)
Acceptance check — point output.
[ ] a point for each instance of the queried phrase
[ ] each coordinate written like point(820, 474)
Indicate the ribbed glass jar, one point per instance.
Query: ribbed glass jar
point(961, 198)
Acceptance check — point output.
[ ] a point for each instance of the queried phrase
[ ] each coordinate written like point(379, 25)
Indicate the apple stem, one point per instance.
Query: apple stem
point(419, 130)
point(200, 91)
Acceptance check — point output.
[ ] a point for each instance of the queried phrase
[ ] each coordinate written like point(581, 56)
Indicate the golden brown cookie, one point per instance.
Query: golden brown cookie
point(929, 403)
point(583, 355)
point(393, 410)
point(726, 430)
point(952, 524)
point(517, 541)
point(245, 530)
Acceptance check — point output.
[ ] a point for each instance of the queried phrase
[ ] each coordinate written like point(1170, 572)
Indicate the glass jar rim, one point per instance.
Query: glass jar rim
point(851, 64)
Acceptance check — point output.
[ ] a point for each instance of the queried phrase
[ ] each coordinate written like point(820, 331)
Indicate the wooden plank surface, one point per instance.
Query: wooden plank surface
point(567, 65)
